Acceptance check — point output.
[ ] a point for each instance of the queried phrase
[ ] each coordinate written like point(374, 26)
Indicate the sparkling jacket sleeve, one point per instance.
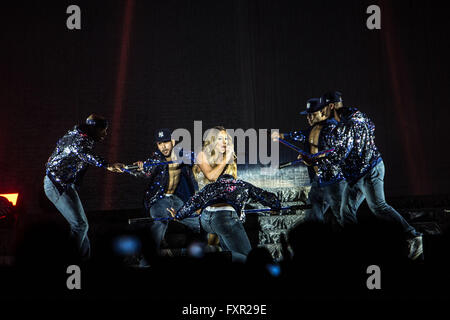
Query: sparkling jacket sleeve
point(342, 142)
point(228, 190)
point(197, 201)
point(85, 154)
point(148, 169)
point(264, 197)
point(300, 135)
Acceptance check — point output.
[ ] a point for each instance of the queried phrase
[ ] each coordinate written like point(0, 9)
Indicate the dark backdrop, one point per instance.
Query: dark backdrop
point(239, 63)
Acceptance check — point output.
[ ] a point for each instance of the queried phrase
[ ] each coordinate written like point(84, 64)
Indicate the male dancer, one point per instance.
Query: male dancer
point(364, 170)
point(227, 189)
point(327, 180)
point(169, 187)
point(65, 169)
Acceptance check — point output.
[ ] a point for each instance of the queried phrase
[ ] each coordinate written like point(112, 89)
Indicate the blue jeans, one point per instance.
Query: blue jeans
point(371, 187)
point(231, 232)
point(159, 210)
point(323, 197)
point(69, 205)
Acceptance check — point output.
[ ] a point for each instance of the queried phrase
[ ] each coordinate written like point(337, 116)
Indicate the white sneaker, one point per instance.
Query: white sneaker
point(415, 248)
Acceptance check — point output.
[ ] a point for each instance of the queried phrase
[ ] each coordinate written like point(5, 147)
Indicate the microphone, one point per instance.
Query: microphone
point(284, 165)
point(135, 167)
point(290, 163)
point(131, 167)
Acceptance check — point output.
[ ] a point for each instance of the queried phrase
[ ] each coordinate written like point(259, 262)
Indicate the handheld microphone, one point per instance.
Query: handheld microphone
point(284, 165)
point(131, 167)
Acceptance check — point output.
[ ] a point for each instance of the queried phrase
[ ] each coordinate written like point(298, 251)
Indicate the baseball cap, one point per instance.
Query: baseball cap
point(313, 105)
point(163, 135)
point(332, 97)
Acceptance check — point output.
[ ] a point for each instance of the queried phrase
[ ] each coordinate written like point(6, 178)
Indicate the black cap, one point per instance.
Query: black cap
point(332, 97)
point(97, 122)
point(163, 135)
point(313, 105)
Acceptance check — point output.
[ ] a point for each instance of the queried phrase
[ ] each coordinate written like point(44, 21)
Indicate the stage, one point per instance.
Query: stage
point(98, 95)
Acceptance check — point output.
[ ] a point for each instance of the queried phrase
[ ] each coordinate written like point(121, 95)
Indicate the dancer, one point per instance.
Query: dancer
point(227, 189)
point(327, 179)
point(65, 169)
point(363, 167)
point(170, 184)
point(217, 158)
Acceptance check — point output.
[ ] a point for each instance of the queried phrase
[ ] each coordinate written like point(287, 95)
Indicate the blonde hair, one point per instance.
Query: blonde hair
point(209, 150)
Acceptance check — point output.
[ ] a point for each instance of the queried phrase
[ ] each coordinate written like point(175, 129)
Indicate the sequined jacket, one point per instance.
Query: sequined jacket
point(328, 169)
point(158, 176)
point(227, 189)
point(71, 158)
point(355, 145)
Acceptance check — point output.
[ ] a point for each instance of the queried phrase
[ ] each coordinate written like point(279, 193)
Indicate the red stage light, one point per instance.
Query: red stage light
point(12, 197)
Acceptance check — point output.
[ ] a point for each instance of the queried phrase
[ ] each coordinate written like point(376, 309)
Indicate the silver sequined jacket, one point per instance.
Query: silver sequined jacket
point(329, 170)
point(227, 189)
point(70, 159)
point(355, 145)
